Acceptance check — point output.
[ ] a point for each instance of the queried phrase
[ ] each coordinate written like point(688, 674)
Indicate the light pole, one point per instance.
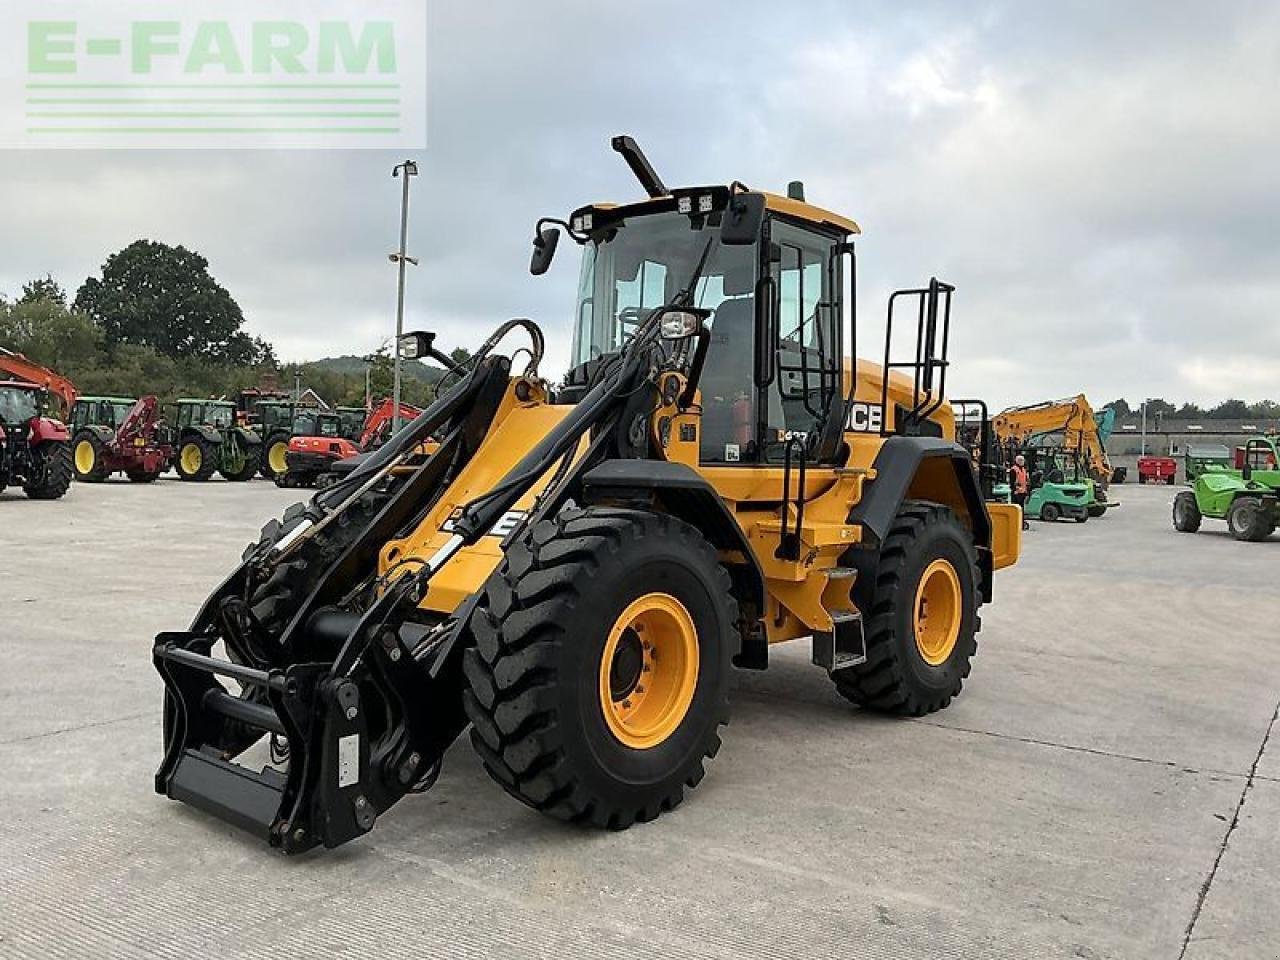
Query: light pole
point(404, 170)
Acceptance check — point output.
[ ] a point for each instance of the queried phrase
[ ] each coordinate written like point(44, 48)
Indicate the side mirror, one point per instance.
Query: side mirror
point(1246, 471)
point(544, 250)
point(740, 225)
point(686, 322)
point(417, 345)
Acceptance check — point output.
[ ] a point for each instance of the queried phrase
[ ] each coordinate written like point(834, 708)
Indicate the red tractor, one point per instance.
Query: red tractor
point(35, 450)
point(119, 436)
point(318, 442)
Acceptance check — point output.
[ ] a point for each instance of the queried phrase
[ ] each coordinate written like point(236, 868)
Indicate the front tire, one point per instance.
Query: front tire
point(247, 460)
point(600, 671)
point(919, 598)
point(196, 460)
point(89, 457)
point(1186, 512)
point(1247, 520)
point(54, 470)
point(1050, 513)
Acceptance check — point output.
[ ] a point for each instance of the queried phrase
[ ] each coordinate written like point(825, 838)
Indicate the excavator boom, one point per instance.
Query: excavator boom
point(20, 367)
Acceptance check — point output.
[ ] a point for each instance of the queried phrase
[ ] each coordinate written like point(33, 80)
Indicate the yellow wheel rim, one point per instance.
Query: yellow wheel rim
point(649, 670)
point(276, 457)
point(192, 459)
point(84, 457)
point(939, 609)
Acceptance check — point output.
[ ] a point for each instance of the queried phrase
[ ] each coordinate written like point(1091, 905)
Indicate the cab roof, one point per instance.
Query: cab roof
point(797, 209)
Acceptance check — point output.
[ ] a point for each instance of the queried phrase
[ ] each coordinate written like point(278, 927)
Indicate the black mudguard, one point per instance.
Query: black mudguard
point(896, 466)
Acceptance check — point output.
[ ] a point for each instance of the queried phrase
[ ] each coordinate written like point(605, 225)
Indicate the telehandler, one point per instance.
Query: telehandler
point(575, 572)
point(1247, 497)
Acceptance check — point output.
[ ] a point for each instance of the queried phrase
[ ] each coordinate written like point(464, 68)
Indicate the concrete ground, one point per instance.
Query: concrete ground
point(1103, 788)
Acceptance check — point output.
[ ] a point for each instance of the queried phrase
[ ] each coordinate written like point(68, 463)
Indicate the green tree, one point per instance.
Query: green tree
point(1229, 410)
point(43, 288)
point(164, 297)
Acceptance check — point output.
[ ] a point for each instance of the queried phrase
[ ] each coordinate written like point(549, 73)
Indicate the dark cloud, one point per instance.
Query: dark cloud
point(1096, 178)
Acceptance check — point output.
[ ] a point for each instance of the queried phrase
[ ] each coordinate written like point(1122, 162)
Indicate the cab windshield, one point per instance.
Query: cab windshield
point(18, 405)
point(641, 264)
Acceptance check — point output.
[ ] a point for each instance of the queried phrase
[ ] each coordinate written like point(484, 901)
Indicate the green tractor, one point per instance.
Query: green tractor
point(1248, 497)
point(275, 423)
point(209, 439)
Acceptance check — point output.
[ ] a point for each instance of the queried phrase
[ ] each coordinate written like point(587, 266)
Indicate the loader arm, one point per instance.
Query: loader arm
point(339, 662)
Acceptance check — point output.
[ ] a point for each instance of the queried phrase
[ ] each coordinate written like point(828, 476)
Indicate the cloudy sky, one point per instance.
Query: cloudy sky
point(1099, 180)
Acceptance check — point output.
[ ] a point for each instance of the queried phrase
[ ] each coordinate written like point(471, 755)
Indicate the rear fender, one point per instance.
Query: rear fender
point(207, 434)
point(940, 471)
point(103, 434)
point(44, 430)
point(679, 490)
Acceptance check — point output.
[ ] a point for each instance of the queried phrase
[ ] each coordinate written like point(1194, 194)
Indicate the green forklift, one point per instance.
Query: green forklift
point(208, 438)
point(1247, 497)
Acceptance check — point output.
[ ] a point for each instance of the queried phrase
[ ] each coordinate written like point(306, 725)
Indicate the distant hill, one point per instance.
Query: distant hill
point(354, 366)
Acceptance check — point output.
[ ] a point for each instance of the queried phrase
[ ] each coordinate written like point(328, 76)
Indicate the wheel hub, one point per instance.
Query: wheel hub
point(938, 612)
point(649, 670)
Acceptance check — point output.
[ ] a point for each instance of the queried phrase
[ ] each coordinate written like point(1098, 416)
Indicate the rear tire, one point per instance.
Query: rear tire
point(196, 459)
point(556, 682)
point(89, 457)
point(54, 471)
point(1186, 512)
point(1247, 520)
point(905, 672)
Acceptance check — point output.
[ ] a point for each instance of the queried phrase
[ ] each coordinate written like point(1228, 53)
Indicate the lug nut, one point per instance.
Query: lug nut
point(352, 713)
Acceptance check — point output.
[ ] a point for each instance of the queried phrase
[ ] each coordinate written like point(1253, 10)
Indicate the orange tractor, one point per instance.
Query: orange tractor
point(319, 443)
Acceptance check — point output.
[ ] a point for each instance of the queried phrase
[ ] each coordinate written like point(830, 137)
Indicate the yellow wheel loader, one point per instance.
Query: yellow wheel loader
point(574, 573)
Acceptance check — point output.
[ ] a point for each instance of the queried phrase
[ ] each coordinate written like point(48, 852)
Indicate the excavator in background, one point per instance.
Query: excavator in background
point(35, 449)
point(321, 441)
point(1069, 439)
point(1070, 424)
point(117, 435)
point(576, 571)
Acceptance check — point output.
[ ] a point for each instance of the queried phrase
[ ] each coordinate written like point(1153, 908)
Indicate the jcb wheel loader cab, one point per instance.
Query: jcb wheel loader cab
point(573, 574)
